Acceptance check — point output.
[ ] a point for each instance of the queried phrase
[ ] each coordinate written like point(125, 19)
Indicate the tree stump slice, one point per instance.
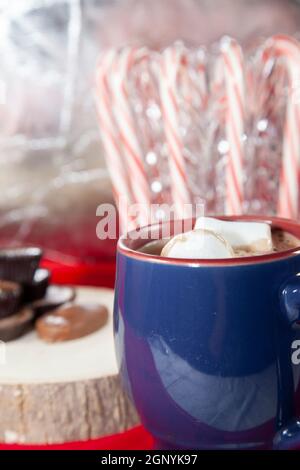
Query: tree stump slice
point(62, 392)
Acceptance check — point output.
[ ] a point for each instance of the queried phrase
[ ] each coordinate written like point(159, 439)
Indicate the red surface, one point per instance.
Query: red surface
point(102, 274)
point(134, 439)
point(96, 274)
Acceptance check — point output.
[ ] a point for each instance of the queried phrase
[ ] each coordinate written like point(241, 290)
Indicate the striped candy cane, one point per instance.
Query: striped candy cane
point(110, 139)
point(201, 79)
point(287, 50)
point(192, 80)
point(235, 115)
point(172, 61)
point(124, 62)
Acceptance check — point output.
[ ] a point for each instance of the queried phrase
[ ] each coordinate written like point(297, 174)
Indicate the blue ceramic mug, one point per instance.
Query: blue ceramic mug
point(204, 347)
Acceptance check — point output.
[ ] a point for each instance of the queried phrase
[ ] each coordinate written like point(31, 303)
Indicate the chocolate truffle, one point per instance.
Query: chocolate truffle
point(16, 325)
point(19, 264)
point(10, 295)
point(71, 321)
point(36, 290)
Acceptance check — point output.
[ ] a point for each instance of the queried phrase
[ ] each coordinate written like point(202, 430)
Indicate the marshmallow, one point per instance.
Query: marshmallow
point(197, 244)
point(255, 236)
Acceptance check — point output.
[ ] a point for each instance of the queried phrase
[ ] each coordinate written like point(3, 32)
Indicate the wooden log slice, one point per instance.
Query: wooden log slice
point(70, 391)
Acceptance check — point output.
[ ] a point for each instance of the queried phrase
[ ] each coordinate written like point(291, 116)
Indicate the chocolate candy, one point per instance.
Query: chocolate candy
point(19, 264)
point(71, 321)
point(36, 290)
point(55, 297)
point(16, 325)
point(10, 295)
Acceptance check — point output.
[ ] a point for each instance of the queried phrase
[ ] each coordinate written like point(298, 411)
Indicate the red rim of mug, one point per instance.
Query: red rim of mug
point(130, 243)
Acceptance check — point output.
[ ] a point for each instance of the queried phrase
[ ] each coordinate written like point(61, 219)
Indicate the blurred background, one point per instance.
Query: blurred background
point(52, 170)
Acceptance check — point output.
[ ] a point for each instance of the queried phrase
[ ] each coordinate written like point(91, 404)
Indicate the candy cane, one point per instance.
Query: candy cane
point(201, 78)
point(113, 155)
point(217, 93)
point(287, 49)
point(172, 61)
point(235, 115)
point(127, 58)
point(192, 80)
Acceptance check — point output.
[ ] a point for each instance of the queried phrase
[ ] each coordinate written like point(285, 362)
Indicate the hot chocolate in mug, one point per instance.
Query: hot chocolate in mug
point(205, 347)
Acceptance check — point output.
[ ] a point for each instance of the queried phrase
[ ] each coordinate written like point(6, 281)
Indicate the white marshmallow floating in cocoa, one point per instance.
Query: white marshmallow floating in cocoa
point(253, 236)
point(197, 244)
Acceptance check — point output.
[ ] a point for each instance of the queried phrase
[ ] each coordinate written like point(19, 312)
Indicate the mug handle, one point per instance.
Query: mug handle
point(288, 435)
